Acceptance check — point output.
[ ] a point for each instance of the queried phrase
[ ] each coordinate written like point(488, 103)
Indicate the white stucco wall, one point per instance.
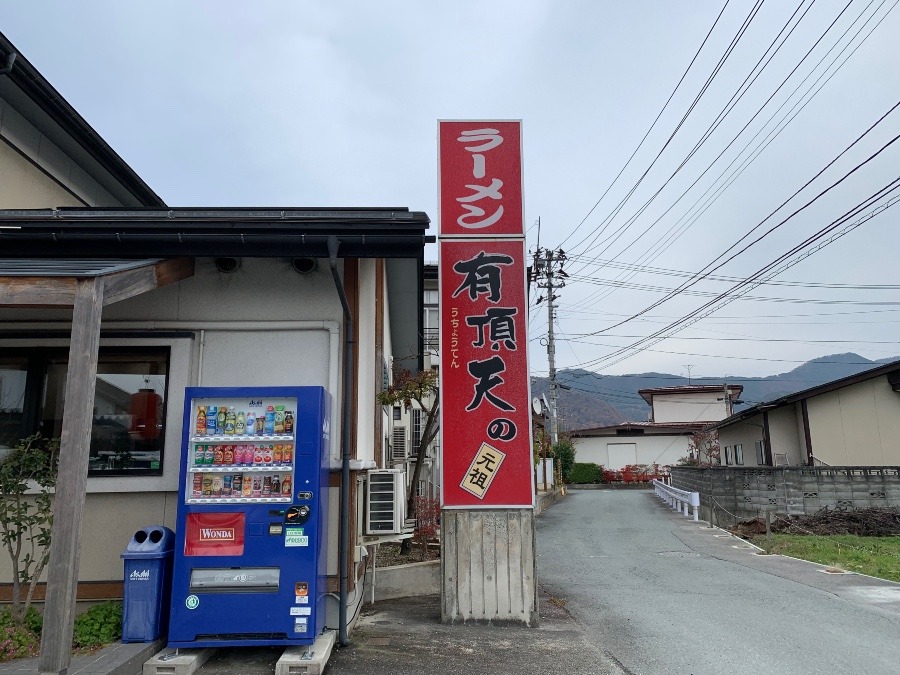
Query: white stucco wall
point(649, 449)
point(262, 325)
point(694, 407)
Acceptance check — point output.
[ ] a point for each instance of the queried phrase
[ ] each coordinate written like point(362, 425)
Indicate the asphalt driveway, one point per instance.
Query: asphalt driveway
point(661, 594)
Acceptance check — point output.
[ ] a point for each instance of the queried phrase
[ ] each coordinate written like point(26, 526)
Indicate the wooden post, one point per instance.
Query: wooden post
point(71, 484)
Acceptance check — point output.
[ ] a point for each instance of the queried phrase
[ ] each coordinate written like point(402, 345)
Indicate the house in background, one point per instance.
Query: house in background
point(675, 414)
point(853, 421)
point(409, 424)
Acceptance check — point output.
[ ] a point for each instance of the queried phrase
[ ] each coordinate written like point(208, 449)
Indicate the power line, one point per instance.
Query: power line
point(729, 50)
point(709, 267)
point(652, 125)
point(676, 231)
point(714, 304)
point(706, 135)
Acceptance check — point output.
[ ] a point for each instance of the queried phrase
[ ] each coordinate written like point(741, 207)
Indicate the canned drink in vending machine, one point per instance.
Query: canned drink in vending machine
point(228, 455)
point(197, 487)
point(209, 456)
point(199, 455)
point(237, 485)
point(287, 453)
point(226, 485)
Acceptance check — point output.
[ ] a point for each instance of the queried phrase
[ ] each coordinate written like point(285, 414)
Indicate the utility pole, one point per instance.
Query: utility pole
point(549, 275)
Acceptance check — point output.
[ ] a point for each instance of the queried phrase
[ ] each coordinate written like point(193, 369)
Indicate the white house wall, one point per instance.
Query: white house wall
point(687, 407)
point(262, 325)
point(649, 449)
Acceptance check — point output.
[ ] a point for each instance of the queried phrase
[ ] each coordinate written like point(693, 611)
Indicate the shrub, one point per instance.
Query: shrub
point(564, 454)
point(100, 625)
point(26, 518)
point(33, 620)
point(586, 472)
point(18, 642)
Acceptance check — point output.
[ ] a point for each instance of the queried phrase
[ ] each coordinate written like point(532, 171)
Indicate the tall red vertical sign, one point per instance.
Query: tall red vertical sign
point(485, 418)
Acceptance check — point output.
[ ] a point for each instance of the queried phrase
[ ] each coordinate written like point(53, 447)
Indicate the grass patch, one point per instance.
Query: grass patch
point(875, 556)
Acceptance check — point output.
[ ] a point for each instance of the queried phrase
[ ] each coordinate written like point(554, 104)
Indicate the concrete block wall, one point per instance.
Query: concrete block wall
point(731, 494)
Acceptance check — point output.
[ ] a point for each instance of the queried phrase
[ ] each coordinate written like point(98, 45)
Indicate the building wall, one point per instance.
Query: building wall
point(747, 433)
point(24, 186)
point(784, 437)
point(664, 450)
point(262, 325)
point(858, 424)
point(37, 173)
point(688, 407)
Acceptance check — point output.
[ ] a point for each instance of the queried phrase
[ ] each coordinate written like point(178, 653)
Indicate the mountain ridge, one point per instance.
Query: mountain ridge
point(594, 400)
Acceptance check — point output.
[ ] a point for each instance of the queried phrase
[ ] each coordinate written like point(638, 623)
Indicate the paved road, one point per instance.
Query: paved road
point(662, 594)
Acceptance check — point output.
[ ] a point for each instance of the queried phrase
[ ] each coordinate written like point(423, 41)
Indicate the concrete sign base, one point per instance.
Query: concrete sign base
point(488, 566)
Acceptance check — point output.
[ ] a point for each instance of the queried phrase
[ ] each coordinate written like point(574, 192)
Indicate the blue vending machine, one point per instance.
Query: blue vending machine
point(251, 540)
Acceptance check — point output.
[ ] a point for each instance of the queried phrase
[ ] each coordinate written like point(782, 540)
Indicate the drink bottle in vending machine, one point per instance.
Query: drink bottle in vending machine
point(251, 522)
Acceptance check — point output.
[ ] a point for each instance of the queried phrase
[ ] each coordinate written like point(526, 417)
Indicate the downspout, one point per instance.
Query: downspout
point(344, 544)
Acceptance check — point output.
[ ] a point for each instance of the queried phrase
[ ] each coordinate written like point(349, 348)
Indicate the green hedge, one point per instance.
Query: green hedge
point(586, 472)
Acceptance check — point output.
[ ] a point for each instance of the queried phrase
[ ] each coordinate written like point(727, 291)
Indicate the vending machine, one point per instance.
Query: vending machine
point(251, 535)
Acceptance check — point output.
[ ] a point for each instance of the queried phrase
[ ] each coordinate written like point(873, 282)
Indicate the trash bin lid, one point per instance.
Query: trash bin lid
point(153, 541)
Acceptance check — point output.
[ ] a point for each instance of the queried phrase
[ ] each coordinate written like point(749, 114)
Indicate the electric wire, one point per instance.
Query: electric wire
point(652, 125)
point(679, 227)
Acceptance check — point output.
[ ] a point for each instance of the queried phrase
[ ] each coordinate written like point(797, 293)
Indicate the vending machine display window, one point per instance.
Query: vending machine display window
point(250, 531)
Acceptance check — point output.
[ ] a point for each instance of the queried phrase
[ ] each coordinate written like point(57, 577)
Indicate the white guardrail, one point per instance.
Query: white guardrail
point(678, 499)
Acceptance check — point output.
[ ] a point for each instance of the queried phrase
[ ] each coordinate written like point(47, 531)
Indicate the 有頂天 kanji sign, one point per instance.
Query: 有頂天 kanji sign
point(485, 413)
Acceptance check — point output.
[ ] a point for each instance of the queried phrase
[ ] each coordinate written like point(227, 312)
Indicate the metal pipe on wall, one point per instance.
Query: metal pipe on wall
point(344, 544)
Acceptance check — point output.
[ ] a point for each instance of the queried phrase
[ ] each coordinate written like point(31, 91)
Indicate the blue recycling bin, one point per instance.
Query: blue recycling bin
point(148, 584)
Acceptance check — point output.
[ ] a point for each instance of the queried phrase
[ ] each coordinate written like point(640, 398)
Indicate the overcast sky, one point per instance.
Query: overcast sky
point(334, 104)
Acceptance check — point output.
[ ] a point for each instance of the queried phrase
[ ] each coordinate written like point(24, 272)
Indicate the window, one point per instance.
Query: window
point(728, 455)
point(739, 454)
point(760, 453)
point(397, 413)
point(128, 432)
point(430, 325)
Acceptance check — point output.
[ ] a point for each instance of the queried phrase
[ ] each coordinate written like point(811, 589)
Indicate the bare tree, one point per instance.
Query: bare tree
point(420, 389)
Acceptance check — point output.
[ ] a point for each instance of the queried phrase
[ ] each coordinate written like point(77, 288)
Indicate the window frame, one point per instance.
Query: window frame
point(41, 356)
point(739, 454)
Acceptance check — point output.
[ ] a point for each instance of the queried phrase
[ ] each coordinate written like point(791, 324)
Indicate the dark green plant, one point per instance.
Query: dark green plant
point(17, 642)
point(100, 625)
point(586, 472)
point(564, 454)
point(33, 620)
point(27, 478)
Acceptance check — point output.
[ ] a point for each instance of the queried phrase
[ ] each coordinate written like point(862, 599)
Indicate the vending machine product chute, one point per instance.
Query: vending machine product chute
point(250, 538)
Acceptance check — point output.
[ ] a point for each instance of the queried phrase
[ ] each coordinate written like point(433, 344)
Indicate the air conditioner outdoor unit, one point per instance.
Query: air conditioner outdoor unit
point(385, 501)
